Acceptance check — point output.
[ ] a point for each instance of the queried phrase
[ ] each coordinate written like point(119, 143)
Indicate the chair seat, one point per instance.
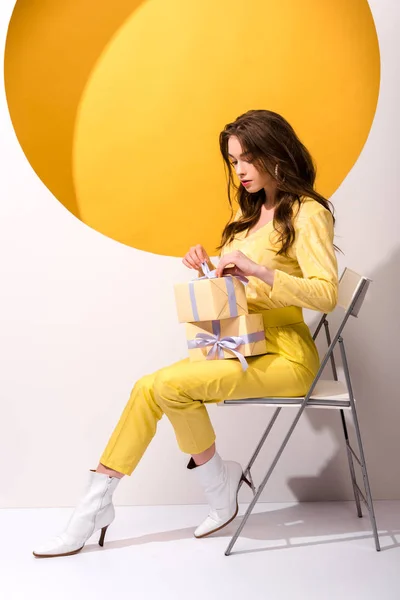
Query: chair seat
point(327, 394)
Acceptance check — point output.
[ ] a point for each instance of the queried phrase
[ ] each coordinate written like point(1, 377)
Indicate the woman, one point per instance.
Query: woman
point(282, 240)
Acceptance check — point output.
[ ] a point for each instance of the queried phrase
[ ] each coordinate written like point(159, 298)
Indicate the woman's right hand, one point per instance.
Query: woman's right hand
point(195, 257)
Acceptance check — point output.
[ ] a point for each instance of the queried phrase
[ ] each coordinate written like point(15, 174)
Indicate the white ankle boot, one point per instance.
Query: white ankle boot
point(220, 480)
point(94, 511)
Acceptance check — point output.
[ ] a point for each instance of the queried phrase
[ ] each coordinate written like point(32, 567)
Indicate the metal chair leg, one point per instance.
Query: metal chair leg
point(346, 436)
point(247, 472)
point(363, 465)
point(368, 499)
point(262, 485)
point(351, 465)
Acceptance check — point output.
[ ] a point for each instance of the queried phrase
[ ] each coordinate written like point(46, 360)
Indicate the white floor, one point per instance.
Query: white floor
point(309, 550)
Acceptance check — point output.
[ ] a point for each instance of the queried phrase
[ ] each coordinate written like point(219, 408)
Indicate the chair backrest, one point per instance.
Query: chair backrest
point(352, 290)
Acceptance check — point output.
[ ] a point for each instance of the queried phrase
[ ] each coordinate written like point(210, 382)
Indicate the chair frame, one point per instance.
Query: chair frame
point(304, 401)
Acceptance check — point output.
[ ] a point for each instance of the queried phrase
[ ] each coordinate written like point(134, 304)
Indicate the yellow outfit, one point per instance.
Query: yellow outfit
point(307, 278)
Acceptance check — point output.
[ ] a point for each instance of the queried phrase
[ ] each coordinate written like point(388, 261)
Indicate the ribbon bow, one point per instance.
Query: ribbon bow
point(229, 343)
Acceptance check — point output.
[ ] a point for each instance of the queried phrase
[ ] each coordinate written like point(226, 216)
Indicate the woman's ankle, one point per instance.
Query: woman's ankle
point(107, 471)
point(205, 456)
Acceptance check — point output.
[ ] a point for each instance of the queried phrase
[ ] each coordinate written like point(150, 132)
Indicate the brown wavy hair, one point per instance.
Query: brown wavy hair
point(267, 140)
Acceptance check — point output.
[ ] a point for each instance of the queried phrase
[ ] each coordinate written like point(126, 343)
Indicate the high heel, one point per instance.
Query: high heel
point(102, 535)
point(243, 478)
point(94, 511)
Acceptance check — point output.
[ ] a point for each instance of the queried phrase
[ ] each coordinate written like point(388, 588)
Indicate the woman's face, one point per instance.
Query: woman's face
point(246, 171)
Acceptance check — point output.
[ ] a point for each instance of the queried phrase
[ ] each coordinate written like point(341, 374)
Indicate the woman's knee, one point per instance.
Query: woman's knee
point(168, 388)
point(160, 388)
point(144, 384)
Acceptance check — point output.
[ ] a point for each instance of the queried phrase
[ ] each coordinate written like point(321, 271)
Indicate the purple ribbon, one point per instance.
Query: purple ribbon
point(229, 343)
point(208, 274)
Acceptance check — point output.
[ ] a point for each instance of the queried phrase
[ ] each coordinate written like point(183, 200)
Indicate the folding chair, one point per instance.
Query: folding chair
point(328, 394)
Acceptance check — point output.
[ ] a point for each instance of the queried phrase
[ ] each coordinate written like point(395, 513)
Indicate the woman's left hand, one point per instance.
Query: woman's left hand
point(242, 265)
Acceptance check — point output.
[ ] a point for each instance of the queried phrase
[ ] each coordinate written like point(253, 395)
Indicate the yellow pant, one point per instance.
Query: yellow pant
point(181, 390)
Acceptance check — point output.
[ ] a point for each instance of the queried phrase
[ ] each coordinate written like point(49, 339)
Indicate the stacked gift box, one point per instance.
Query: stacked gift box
point(217, 321)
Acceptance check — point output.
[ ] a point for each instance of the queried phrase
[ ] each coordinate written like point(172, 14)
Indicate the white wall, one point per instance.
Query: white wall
point(72, 301)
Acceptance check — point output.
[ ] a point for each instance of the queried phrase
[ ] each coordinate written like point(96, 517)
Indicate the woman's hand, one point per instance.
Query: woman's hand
point(195, 257)
point(243, 266)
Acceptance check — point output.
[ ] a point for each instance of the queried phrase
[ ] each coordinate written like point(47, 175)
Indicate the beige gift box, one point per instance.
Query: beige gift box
point(250, 327)
point(210, 299)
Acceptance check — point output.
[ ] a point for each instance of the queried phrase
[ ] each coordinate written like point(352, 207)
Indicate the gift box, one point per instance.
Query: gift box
point(210, 297)
point(235, 337)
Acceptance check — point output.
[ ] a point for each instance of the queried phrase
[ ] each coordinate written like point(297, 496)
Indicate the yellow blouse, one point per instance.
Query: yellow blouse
point(308, 277)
